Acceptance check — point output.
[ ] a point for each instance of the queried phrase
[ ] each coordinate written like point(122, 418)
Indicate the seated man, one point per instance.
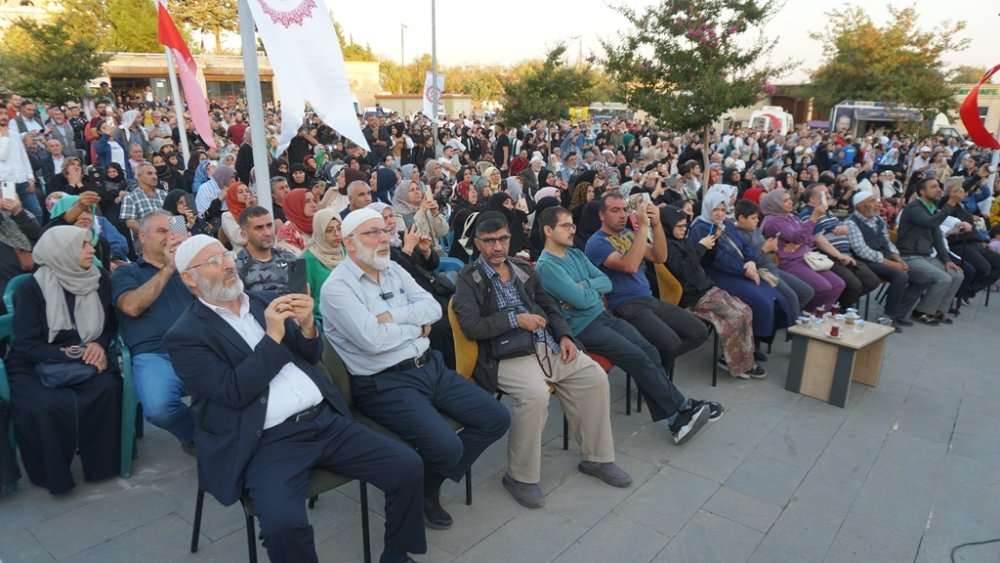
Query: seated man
point(266, 417)
point(149, 296)
point(377, 318)
point(578, 285)
point(619, 251)
point(496, 295)
point(869, 237)
point(260, 265)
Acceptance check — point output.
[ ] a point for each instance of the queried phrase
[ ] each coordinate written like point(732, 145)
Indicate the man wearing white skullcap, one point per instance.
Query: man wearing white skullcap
point(378, 318)
point(149, 296)
point(265, 417)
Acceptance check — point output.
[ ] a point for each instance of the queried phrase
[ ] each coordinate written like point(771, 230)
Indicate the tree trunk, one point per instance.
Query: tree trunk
point(218, 41)
point(704, 163)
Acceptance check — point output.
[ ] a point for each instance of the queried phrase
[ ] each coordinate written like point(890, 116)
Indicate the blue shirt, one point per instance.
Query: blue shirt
point(624, 287)
point(144, 334)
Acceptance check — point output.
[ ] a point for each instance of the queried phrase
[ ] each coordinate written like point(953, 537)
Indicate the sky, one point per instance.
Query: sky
point(514, 30)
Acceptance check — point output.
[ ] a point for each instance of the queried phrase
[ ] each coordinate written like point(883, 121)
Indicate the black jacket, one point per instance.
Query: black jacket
point(471, 291)
point(920, 231)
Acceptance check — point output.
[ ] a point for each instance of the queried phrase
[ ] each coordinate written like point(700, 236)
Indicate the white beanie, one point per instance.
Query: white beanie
point(190, 248)
point(355, 218)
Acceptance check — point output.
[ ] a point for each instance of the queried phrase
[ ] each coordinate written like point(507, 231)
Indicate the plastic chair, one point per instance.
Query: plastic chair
point(7, 333)
point(132, 423)
point(671, 291)
point(450, 267)
point(8, 292)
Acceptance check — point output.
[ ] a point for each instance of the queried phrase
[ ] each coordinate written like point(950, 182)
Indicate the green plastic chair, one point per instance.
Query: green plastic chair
point(8, 292)
point(132, 424)
point(7, 332)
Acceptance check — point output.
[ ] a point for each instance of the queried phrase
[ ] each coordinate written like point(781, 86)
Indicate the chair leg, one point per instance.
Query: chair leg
point(312, 501)
point(989, 289)
point(868, 301)
point(366, 541)
point(565, 433)
point(199, 503)
point(251, 539)
point(468, 487)
point(638, 398)
point(715, 357)
point(628, 395)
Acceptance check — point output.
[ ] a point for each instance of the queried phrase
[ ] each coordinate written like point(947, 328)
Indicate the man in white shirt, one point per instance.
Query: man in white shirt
point(377, 318)
point(264, 417)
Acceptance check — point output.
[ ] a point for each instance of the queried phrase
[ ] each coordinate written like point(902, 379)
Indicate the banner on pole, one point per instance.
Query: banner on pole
point(430, 90)
point(969, 112)
point(308, 66)
point(187, 71)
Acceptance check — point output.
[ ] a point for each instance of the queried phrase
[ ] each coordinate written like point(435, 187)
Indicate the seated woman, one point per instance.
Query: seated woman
point(326, 252)
point(111, 248)
point(731, 317)
point(413, 252)
point(795, 239)
point(238, 198)
point(517, 220)
point(71, 180)
point(18, 232)
point(412, 206)
point(466, 203)
point(180, 202)
point(172, 179)
point(296, 234)
point(732, 266)
point(64, 319)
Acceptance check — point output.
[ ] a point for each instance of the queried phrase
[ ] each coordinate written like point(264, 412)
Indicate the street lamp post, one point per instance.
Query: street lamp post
point(402, 55)
point(434, 79)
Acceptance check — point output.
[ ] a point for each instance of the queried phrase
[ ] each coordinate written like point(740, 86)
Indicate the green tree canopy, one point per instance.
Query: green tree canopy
point(546, 91)
point(967, 74)
point(47, 61)
point(116, 25)
point(352, 51)
point(896, 62)
point(207, 16)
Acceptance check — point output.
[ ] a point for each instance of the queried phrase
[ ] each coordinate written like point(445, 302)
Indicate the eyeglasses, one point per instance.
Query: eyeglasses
point(683, 226)
point(567, 226)
point(217, 260)
point(492, 241)
point(376, 232)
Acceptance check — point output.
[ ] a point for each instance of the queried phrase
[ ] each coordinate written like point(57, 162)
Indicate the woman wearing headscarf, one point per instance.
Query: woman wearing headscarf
point(64, 319)
point(244, 158)
point(463, 210)
point(495, 179)
point(590, 223)
point(732, 265)
point(731, 317)
point(326, 252)
point(795, 239)
point(71, 180)
point(298, 178)
point(111, 248)
point(169, 177)
point(18, 232)
point(385, 185)
point(180, 202)
point(729, 194)
point(213, 193)
point(422, 211)
point(582, 193)
point(517, 221)
point(296, 234)
point(414, 253)
point(238, 197)
point(191, 173)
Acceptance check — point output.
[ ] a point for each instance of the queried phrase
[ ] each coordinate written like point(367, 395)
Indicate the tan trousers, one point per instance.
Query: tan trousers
point(582, 388)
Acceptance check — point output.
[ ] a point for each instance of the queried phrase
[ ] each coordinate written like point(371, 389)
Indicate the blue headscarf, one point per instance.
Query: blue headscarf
point(200, 175)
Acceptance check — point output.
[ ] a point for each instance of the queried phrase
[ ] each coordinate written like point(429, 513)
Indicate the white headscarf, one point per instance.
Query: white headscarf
point(56, 253)
point(711, 201)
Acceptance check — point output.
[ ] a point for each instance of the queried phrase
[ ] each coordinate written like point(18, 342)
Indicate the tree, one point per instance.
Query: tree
point(351, 50)
point(689, 61)
point(207, 16)
point(133, 26)
point(47, 62)
point(547, 90)
point(897, 62)
point(967, 74)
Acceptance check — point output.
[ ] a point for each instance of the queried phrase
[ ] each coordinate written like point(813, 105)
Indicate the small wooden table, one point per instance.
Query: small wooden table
point(823, 367)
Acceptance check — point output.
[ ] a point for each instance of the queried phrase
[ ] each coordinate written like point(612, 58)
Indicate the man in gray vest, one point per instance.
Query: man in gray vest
point(869, 238)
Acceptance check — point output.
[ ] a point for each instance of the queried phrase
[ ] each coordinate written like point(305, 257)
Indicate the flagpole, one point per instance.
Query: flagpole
point(255, 108)
point(178, 108)
point(434, 79)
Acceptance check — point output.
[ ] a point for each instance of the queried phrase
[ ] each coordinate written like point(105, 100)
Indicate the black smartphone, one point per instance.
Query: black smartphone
point(711, 231)
point(297, 276)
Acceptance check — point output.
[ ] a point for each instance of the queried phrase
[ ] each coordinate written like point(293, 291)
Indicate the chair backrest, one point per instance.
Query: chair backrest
point(6, 332)
point(334, 368)
point(466, 351)
point(8, 292)
point(670, 288)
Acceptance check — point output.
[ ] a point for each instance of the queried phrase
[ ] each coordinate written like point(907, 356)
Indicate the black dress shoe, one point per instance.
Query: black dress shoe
point(435, 516)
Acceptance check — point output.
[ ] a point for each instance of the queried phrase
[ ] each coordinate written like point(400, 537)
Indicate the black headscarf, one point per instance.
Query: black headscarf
point(291, 178)
point(170, 202)
point(670, 216)
point(590, 223)
point(516, 220)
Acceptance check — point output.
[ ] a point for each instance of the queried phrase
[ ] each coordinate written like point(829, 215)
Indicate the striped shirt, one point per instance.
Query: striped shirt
point(508, 299)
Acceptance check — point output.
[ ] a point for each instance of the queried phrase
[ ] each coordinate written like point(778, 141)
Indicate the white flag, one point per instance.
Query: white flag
point(429, 93)
point(308, 66)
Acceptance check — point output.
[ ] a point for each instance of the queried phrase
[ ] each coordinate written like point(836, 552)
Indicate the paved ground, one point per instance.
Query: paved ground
point(907, 471)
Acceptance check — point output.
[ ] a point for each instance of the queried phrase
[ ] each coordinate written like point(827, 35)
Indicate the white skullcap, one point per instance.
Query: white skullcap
point(862, 195)
point(356, 218)
point(190, 248)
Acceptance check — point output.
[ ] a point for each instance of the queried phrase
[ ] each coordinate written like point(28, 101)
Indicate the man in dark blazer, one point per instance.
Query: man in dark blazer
point(264, 416)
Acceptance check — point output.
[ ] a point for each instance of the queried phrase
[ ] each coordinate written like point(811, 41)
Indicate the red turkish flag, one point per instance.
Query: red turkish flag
point(187, 70)
point(970, 116)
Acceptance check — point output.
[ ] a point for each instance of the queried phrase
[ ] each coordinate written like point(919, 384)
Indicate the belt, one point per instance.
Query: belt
point(308, 414)
point(418, 362)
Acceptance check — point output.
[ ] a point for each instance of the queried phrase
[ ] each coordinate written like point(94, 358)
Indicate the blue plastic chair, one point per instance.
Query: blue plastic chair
point(7, 332)
point(451, 267)
point(8, 292)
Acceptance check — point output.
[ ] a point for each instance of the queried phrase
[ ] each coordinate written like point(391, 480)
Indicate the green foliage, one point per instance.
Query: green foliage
point(46, 61)
point(207, 16)
point(968, 74)
point(133, 26)
point(548, 90)
point(686, 62)
point(897, 62)
point(352, 51)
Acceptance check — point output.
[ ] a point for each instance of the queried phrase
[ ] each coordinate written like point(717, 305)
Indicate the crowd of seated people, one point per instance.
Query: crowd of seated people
point(560, 243)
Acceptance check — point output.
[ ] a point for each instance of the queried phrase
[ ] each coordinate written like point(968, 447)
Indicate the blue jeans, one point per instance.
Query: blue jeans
point(160, 392)
point(29, 201)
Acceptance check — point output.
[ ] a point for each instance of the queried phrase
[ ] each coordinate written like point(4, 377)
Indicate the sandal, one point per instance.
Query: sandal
point(926, 319)
point(939, 317)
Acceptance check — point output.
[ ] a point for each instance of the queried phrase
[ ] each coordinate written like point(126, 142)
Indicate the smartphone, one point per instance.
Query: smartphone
point(408, 221)
point(822, 198)
point(10, 190)
point(711, 231)
point(178, 225)
point(297, 276)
